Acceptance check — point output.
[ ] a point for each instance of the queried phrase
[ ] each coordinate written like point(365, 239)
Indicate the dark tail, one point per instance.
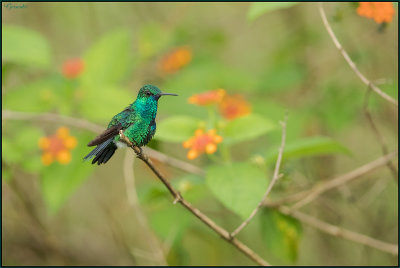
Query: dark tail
point(102, 152)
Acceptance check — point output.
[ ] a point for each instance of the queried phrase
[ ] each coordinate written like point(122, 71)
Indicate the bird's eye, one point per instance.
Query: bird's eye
point(148, 93)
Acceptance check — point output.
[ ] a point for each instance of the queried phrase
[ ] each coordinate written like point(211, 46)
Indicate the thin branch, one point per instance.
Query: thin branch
point(179, 199)
point(85, 124)
point(350, 62)
point(307, 196)
point(378, 135)
point(133, 201)
point(274, 179)
point(341, 232)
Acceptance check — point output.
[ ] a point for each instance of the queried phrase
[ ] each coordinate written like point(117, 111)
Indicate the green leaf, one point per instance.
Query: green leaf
point(26, 47)
point(310, 146)
point(258, 9)
point(152, 39)
point(246, 128)
point(109, 60)
point(59, 181)
point(239, 186)
point(177, 128)
point(44, 94)
point(170, 222)
point(100, 103)
point(11, 153)
point(281, 234)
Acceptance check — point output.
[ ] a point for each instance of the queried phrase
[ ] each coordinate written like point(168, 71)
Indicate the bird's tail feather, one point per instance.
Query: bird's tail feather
point(103, 152)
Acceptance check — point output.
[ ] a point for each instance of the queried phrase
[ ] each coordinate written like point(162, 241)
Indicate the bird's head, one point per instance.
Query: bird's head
point(150, 92)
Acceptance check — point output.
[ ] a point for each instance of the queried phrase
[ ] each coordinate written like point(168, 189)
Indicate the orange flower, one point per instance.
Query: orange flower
point(175, 60)
point(379, 11)
point(73, 68)
point(202, 142)
point(234, 106)
point(57, 146)
point(209, 97)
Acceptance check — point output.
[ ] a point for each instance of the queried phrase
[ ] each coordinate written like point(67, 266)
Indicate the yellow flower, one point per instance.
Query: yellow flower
point(57, 147)
point(379, 11)
point(234, 106)
point(202, 143)
point(207, 98)
point(175, 60)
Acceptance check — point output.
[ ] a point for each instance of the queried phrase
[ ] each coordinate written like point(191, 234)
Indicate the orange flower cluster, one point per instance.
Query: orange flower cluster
point(207, 98)
point(202, 142)
point(175, 60)
point(73, 68)
point(230, 106)
point(234, 106)
point(379, 11)
point(57, 147)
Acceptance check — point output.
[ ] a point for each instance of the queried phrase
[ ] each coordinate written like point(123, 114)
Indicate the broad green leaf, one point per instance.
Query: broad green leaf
point(177, 128)
point(170, 222)
point(59, 181)
point(246, 128)
point(281, 234)
point(100, 103)
point(152, 39)
point(10, 152)
point(109, 60)
point(38, 96)
point(25, 46)
point(310, 146)
point(22, 146)
point(239, 186)
point(258, 9)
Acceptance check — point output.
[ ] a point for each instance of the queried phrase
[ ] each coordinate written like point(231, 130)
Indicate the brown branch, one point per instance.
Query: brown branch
point(352, 65)
point(85, 124)
point(341, 232)
point(379, 136)
point(307, 196)
point(274, 179)
point(179, 199)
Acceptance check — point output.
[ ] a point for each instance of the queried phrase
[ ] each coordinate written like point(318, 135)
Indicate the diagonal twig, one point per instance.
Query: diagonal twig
point(352, 65)
point(309, 195)
point(206, 220)
point(341, 232)
point(378, 135)
point(274, 179)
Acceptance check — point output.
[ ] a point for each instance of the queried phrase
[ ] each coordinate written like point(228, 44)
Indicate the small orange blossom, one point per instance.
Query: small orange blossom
point(202, 142)
point(73, 68)
point(379, 11)
point(175, 60)
point(234, 106)
point(57, 147)
point(209, 97)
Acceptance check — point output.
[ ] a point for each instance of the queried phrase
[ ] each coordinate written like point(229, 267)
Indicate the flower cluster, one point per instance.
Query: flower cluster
point(379, 11)
point(202, 142)
point(73, 68)
point(234, 106)
point(175, 60)
point(57, 147)
point(230, 106)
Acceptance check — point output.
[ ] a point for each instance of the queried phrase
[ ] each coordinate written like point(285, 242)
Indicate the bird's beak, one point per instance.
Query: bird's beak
point(163, 94)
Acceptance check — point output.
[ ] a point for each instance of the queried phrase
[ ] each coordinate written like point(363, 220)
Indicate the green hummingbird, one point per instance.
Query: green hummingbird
point(137, 121)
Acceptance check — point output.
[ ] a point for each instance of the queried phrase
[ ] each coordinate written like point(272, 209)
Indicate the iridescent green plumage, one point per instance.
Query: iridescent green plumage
point(137, 121)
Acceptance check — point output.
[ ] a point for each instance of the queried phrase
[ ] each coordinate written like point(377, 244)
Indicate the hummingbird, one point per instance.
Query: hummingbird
point(137, 121)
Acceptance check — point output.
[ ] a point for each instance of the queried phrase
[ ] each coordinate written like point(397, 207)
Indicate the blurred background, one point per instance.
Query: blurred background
point(67, 68)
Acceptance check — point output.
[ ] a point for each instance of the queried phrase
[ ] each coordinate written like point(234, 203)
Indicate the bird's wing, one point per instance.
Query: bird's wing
point(107, 134)
point(118, 122)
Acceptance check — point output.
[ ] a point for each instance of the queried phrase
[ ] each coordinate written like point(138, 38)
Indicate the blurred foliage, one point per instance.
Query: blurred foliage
point(283, 61)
